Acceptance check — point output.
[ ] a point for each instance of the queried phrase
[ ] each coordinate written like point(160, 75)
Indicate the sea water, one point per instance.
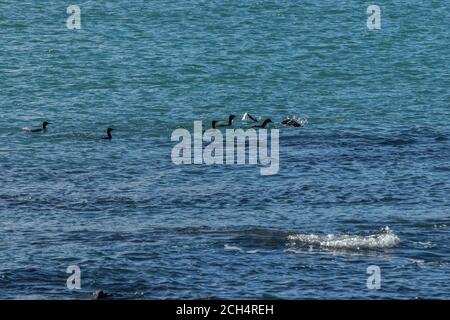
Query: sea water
point(364, 183)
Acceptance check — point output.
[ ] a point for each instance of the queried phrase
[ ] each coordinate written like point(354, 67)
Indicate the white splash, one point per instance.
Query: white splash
point(227, 247)
point(384, 239)
point(294, 122)
point(232, 248)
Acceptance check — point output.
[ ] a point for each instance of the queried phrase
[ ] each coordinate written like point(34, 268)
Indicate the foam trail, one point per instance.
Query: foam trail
point(382, 240)
point(232, 248)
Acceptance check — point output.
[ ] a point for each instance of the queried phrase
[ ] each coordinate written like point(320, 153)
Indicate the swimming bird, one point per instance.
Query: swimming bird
point(108, 132)
point(247, 117)
point(100, 294)
point(264, 124)
point(294, 122)
point(43, 129)
point(224, 124)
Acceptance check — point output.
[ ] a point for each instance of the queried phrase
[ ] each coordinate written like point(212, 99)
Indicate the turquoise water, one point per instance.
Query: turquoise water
point(375, 152)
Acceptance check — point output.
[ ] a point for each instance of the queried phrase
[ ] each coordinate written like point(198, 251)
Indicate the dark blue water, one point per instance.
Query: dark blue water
point(364, 183)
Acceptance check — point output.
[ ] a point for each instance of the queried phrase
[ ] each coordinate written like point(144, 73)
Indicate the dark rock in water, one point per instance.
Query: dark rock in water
point(100, 294)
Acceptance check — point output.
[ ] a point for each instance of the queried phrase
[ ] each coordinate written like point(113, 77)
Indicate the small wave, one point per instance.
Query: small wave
point(416, 261)
point(382, 240)
point(398, 141)
point(232, 248)
point(238, 249)
point(426, 245)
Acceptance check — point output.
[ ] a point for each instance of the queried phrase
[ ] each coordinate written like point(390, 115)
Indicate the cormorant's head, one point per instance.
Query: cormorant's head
point(45, 124)
point(109, 130)
point(266, 122)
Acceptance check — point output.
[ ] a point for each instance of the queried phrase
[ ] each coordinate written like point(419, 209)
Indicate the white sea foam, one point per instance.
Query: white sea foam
point(232, 248)
point(426, 245)
point(295, 121)
point(384, 239)
point(416, 261)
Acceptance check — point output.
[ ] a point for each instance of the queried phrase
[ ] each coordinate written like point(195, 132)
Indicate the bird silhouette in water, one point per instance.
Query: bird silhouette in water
point(109, 135)
point(294, 122)
point(228, 123)
point(100, 294)
point(264, 124)
point(41, 129)
point(248, 117)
